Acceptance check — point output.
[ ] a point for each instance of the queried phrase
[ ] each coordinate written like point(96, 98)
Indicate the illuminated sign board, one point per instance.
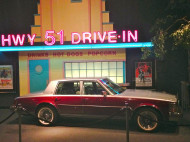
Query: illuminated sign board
point(85, 40)
point(76, 38)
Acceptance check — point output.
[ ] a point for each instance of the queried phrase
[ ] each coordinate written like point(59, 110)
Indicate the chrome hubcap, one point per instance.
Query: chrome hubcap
point(45, 114)
point(147, 120)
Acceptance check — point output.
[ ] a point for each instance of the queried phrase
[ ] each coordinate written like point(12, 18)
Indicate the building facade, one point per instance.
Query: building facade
point(37, 68)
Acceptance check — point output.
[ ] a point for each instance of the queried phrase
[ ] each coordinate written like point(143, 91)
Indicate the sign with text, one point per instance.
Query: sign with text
point(89, 53)
point(76, 38)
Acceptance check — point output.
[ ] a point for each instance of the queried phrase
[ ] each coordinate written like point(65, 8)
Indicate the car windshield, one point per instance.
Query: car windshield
point(114, 88)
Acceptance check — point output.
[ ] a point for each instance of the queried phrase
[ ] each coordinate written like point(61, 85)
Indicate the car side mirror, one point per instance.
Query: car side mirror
point(104, 93)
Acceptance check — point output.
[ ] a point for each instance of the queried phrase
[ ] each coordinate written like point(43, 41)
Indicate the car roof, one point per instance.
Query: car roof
point(53, 83)
point(79, 79)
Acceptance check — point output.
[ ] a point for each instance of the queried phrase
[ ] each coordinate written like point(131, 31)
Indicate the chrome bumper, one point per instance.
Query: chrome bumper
point(17, 109)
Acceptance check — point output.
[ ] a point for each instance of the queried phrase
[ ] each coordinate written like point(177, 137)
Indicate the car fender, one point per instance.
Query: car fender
point(147, 105)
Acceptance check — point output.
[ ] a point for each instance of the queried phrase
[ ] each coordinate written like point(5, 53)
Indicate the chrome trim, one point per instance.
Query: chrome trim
point(90, 106)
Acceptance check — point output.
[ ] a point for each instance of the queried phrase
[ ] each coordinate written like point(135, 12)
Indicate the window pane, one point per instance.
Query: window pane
point(82, 65)
point(82, 73)
point(90, 73)
point(75, 66)
point(119, 72)
point(104, 73)
point(112, 65)
point(89, 88)
point(113, 79)
point(77, 88)
point(68, 73)
point(90, 65)
point(99, 88)
point(119, 64)
point(97, 65)
point(92, 88)
point(75, 73)
point(119, 79)
point(67, 66)
point(104, 65)
point(98, 73)
point(112, 72)
point(65, 88)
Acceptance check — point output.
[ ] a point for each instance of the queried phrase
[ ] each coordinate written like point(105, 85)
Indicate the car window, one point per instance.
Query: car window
point(92, 88)
point(67, 88)
point(114, 88)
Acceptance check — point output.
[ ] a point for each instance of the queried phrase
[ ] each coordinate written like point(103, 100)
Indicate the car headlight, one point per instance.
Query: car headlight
point(175, 111)
point(173, 107)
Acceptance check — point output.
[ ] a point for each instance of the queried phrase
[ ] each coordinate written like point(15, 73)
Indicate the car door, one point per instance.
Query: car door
point(95, 103)
point(68, 98)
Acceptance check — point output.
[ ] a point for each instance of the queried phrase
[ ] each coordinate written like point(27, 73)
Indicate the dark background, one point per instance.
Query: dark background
point(16, 16)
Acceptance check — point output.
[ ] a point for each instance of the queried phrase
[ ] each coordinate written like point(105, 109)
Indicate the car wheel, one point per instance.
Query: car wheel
point(46, 115)
point(147, 120)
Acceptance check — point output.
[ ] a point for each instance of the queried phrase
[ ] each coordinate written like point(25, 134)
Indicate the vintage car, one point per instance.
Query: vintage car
point(99, 97)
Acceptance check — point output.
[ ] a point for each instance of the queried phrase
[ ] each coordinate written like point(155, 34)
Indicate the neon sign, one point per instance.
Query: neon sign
point(76, 38)
point(78, 46)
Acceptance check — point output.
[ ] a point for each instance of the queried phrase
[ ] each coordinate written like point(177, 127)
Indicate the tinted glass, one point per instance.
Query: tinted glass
point(92, 88)
point(67, 88)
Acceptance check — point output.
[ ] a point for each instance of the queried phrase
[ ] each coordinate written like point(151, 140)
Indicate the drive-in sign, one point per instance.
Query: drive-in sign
point(76, 38)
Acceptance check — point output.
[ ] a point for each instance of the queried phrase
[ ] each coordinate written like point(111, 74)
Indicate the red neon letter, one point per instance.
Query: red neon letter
point(102, 38)
point(110, 36)
point(88, 37)
point(18, 39)
point(95, 37)
point(61, 33)
point(3, 40)
point(51, 37)
point(73, 38)
point(124, 36)
point(130, 35)
point(31, 38)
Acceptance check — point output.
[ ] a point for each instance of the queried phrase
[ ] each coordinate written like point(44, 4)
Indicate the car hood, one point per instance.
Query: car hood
point(148, 94)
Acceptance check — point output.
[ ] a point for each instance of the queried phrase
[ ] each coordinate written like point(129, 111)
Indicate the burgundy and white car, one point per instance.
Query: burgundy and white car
point(99, 98)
